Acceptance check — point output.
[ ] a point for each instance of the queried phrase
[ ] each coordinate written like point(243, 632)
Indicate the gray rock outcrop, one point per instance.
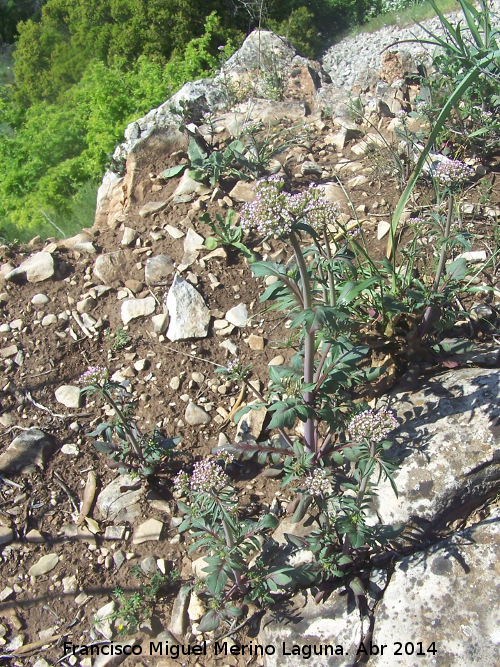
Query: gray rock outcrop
point(442, 595)
point(447, 447)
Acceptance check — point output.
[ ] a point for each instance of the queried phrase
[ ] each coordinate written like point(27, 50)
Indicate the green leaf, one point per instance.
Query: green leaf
point(195, 152)
point(217, 579)
point(267, 522)
point(209, 622)
point(351, 289)
point(302, 508)
point(280, 578)
point(102, 447)
point(457, 270)
point(356, 586)
point(211, 243)
point(173, 171)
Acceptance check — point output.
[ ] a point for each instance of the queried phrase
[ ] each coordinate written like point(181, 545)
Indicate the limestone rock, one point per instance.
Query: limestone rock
point(383, 228)
point(447, 447)
point(189, 316)
point(36, 268)
point(238, 315)
point(179, 620)
point(134, 308)
point(102, 622)
point(336, 622)
point(49, 320)
point(251, 424)
point(449, 595)
point(255, 342)
point(193, 241)
point(152, 207)
point(6, 534)
point(129, 236)
point(30, 448)
point(68, 395)
point(309, 168)
point(149, 531)
point(158, 269)
point(43, 565)
point(196, 415)
point(40, 299)
point(189, 187)
point(9, 351)
point(243, 191)
point(160, 323)
point(116, 659)
point(109, 268)
point(119, 500)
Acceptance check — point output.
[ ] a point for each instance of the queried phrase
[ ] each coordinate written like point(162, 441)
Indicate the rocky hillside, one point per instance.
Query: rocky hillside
point(144, 294)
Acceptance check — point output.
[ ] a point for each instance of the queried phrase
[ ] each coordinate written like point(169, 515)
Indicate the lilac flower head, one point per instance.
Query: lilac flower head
point(451, 173)
point(226, 456)
point(181, 482)
point(268, 214)
point(317, 483)
point(372, 425)
point(208, 476)
point(275, 213)
point(95, 375)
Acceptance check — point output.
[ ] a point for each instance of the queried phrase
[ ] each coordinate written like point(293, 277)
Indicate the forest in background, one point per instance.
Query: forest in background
point(74, 73)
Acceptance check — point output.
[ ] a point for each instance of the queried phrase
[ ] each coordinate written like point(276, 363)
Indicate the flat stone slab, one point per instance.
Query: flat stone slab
point(109, 267)
point(118, 502)
point(238, 315)
point(30, 448)
point(68, 395)
point(447, 446)
point(195, 415)
point(44, 565)
point(149, 531)
point(158, 269)
point(134, 308)
point(449, 595)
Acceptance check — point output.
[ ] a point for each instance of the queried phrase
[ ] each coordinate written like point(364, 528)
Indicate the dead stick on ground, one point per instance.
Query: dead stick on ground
point(34, 646)
point(235, 407)
point(57, 479)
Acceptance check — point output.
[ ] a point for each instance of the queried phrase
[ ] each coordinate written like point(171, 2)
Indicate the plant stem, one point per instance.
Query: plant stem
point(121, 417)
point(309, 345)
point(230, 543)
point(444, 246)
point(364, 481)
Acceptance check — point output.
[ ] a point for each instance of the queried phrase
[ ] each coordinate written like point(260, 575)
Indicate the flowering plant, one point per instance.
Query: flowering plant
point(211, 514)
point(127, 448)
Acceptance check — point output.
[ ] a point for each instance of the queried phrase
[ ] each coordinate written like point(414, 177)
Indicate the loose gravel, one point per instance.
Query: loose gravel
point(347, 59)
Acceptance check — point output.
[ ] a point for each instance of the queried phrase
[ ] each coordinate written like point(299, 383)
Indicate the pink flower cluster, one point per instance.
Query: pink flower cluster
point(275, 213)
point(452, 172)
point(94, 375)
point(372, 425)
point(317, 483)
point(208, 476)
